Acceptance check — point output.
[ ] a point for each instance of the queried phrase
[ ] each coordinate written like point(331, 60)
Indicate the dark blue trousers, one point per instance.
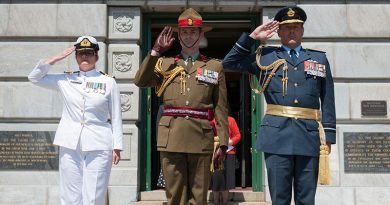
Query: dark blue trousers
point(292, 171)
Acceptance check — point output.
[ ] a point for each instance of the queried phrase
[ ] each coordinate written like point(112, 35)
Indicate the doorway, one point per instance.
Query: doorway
point(227, 28)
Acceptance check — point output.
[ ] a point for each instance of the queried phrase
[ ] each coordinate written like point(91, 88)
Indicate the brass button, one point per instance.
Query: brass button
point(188, 76)
point(296, 101)
point(187, 117)
point(187, 102)
point(296, 84)
point(188, 89)
point(295, 68)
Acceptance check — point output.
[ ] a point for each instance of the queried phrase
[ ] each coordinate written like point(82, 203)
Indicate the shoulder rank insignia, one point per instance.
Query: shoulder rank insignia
point(103, 73)
point(71, 72)
point(315, 50)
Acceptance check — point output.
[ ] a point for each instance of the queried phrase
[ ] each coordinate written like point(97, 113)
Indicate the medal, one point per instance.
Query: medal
point(207, 76)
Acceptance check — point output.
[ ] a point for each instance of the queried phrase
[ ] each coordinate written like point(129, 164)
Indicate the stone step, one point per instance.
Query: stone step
point(210, 203)
point(236, 197)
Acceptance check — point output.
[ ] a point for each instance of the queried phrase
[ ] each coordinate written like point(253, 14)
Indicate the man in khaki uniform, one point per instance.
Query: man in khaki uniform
point(194, 91)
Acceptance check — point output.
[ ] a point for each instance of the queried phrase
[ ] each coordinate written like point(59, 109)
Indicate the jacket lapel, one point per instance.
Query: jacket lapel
point(303, 55)
point(281, 53)
point(197, 64)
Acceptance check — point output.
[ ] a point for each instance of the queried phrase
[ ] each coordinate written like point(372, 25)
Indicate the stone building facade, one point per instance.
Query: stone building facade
point(354, 34)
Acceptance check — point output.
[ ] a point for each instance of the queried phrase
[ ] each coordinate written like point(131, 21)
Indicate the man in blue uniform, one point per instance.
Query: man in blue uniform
point(299, 125)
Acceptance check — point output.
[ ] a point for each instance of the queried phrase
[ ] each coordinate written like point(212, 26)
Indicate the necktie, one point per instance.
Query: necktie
point(189, 61)
point(293, 54)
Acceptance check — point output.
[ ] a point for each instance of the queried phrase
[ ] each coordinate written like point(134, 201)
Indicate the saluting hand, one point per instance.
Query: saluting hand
point(265, 31)
point(60, 56)
point(116, 156)
point(164, 41)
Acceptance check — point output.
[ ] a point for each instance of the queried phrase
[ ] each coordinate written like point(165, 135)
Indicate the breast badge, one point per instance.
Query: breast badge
point(207, 76)
point(314, 68)
point(95, 87)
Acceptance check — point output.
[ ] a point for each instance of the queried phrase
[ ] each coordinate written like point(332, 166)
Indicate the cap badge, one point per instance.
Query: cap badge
point(85, 43)
point(189, 22)
point(290, 12)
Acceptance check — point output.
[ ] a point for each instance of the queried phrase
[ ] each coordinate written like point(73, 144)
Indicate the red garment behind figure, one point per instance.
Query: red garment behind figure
point(234, 133)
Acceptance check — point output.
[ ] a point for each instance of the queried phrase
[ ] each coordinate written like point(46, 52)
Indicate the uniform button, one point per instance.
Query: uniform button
point(295, 68)
point(296, 84)
point(188, 76)
point(187, 103)
point(187, 117)
point(188, 89)
point(296, 101)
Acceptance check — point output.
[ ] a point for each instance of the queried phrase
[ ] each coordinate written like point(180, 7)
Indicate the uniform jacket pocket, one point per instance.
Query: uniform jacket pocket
point(311, 125)
point(208, 135)
point(163, 131)
point(271, 121)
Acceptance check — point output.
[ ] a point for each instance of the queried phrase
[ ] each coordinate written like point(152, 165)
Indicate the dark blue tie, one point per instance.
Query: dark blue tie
point(294, 57)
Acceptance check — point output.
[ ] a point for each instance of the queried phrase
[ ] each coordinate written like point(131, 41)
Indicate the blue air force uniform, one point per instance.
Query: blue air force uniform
point(300, 111)
point(282, 135)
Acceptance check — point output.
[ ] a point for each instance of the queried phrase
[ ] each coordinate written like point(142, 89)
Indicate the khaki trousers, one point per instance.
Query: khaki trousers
point(187, 177)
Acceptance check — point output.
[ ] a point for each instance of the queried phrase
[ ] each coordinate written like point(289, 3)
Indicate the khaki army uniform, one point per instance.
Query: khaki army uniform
point(186, 142)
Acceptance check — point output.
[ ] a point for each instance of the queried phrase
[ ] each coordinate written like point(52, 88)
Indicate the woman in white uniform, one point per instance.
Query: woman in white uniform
point(90, 131)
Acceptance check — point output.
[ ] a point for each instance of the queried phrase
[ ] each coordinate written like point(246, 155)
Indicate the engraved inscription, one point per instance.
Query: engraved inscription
point(366, 152)
point(374, 108)
point(28, 150)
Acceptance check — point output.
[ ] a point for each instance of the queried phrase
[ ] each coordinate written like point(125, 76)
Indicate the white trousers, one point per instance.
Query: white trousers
point(84, 176)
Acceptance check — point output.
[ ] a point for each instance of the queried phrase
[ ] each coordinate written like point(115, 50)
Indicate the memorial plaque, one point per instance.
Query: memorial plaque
point(374, 108)
point(366, 152)
point(28, 150)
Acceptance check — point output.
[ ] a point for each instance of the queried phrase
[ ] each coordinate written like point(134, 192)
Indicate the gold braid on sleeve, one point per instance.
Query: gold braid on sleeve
point(273, 67)
point(168, 76)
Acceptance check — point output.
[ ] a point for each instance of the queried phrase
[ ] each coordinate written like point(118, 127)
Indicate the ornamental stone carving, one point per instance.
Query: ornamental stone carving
point(126, 101)
point(122, 62)
point(123, 24)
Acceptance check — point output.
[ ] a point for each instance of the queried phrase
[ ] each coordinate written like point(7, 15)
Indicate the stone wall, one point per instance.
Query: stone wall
point(353, 33)
point(30, 32)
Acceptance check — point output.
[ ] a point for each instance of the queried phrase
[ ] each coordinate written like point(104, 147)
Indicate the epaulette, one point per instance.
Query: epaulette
point(315, 50)
point(216, 59)
point(206, 58)
point(71, 72)
point(103, 73)
point(272, 47)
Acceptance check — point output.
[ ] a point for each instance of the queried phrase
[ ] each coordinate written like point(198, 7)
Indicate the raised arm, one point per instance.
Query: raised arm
point(39, 74)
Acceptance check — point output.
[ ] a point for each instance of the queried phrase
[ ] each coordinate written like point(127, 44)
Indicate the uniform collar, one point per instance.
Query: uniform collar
point(297, 49)
point(92, 72)
point(194, 56)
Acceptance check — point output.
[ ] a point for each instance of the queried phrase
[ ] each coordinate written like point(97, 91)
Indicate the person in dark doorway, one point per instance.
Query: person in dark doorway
point(224, 180)
point(299, 125)
point(160, 179)
point(90, 131)
point(193, 90)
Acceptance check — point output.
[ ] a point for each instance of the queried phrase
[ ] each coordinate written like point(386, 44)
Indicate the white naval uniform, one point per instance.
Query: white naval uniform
point(85, 136)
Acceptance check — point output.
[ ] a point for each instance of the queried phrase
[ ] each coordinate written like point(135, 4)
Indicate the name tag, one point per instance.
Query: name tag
point(76, 81)
point(208, 76)
point(314, 68)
